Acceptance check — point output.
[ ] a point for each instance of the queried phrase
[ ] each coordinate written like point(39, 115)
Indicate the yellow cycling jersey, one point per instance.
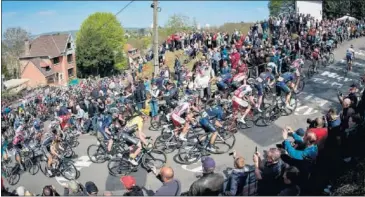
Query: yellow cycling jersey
point(136, 121)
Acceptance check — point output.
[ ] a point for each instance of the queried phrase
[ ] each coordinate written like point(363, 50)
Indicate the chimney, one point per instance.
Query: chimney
point(26, 48)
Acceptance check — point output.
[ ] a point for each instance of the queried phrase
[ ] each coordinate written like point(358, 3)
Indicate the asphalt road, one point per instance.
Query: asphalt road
point(319, 94)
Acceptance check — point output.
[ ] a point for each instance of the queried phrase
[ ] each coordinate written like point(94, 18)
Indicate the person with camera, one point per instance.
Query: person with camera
point(303, 156)
point(233, 186)
point(352, 96)
point(73, 188)
point(317, 126)
point(268, 172)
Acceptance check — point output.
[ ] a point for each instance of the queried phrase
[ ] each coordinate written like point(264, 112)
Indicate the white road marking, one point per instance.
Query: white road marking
point(81, 162)
point(198, 169)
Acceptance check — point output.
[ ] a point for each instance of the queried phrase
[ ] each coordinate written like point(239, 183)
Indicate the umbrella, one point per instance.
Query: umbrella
point(347, 17)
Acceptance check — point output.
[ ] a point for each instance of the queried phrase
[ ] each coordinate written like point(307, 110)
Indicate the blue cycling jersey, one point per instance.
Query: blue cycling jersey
point(288, 76)
point(265, 76)
point(48, 141)
point(213, 112)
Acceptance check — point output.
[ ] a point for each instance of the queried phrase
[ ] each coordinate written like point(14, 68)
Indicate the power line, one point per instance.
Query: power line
point(120, 11)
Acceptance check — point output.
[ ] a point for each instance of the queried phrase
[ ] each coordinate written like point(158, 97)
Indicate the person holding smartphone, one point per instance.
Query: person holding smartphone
point(233, 185)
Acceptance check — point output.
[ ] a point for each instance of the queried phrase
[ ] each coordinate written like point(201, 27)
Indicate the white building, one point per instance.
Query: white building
point(314, 8)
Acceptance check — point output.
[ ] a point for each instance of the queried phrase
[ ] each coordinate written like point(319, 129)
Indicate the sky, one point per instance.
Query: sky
point(49, 16)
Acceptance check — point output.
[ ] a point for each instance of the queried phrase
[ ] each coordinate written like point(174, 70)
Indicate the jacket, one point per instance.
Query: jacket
point(135, 191)
point(309, 153)
point(234, 184)
point(210, 184)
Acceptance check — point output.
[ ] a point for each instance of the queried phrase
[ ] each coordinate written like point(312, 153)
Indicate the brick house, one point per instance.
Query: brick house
point(49, 60)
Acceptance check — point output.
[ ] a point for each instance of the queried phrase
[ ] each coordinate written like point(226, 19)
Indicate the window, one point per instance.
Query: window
point(47, 68)
point(69, 45)
point(50, 79)
point(56, 60)
point(71, 72)
point(69, 58)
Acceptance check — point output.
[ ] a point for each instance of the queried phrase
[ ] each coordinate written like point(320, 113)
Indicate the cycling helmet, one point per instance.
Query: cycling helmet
point(36, 125)
point(352, 46)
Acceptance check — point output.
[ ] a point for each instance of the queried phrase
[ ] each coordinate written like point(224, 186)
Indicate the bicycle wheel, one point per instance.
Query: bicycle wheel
point(300, 85)
point(96, 153)
point(42, 165)
point(269, 115)
point(119, 167)
point(68, 170)
point(155, 123)
point(331, 58)
point(189, 154)
point(13, 178)
point(224, 142)
point(31, 167)
point(154, 158)
point(166, 146)
point(310, 72)
point(249, 119)
point(167, 134)
point(69, 152)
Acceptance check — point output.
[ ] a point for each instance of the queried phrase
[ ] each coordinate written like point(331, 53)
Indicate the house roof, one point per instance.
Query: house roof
point(48, 45)
point(37, 63)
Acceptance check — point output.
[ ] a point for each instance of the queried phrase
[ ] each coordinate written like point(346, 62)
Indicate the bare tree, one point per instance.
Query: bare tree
point(13, 46)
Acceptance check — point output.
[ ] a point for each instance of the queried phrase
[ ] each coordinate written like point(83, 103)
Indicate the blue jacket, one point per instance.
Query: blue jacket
point(234, 184)
point(309, 153)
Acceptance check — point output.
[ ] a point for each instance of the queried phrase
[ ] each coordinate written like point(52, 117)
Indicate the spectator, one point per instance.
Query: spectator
point(347, 112)
point(171, 186)
point(154, 100)
point(291, 182)
point(91, 189)
point(352, 96)
point(20, 191)
point(351, 138)
point(129, 182)
point(210, 184)
point(235, 182)
point(310, 149)
point(72, 188)
point(108, 193)
point(268, 172)
point(49, 190)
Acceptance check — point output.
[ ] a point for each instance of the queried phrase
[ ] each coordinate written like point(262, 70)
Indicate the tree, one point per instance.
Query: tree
point(100, 44)
point(4, 69)
point(277, 7)
point(94, 56)
point(177, 23)
point(13, 47)
point(141, 32)
point(336, 9)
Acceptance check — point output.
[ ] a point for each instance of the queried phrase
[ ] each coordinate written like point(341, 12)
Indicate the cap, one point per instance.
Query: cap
point(91, 187)
point(208, 163)
point(354, 85)
point(128, 181)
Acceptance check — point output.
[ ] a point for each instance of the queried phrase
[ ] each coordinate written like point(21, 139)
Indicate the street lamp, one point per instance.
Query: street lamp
point(158, 8)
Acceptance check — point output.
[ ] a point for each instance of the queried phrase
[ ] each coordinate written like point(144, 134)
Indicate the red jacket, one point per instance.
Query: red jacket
point(235, 57)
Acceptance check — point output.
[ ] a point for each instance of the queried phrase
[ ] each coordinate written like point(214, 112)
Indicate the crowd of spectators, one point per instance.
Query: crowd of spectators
point(288, 169)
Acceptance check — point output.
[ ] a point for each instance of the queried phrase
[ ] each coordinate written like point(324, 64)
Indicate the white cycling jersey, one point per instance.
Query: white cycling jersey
point(181, 109)
point(350, 52)
point(243, 90)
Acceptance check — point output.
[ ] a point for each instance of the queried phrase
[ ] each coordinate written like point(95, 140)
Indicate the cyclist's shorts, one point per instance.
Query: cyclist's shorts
point(260, 88)
point(207, 125)
point(282, 86)
point(177, 120)
point(129, 139)
point(238, 102)
point(349, 58)
point(102, 131)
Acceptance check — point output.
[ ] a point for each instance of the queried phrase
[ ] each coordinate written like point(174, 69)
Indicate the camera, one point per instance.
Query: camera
point(313, 123)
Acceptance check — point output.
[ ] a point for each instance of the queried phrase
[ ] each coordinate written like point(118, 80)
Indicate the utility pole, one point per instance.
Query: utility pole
point(155, 37)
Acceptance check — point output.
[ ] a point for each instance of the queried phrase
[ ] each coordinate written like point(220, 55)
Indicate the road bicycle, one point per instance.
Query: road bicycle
point(98, 153)
point(64, 167)
point(10, 173)
point(148, 158)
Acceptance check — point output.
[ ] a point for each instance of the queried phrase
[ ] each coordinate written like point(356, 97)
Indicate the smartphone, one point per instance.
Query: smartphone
point(231, 153)
point(256, 149)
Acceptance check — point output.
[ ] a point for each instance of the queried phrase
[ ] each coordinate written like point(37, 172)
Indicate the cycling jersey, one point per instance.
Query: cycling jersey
point(350, 52)
point(213, 112)
point(135, 121)
point(266, 76)
point(288, 76)
point(243, 90)
point(181, 109)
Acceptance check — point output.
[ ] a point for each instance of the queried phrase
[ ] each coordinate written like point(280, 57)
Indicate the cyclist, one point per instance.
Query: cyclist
point(37, 130)
point(18, 144)
point(239, 101)
point(216, 113)
point(286, 83)
point(265, 79)
point(350, 54)
point(182, 115)
point(55, 149)
point(46, 147)
point(134, 143)
point(4, 147)
point(316, 56)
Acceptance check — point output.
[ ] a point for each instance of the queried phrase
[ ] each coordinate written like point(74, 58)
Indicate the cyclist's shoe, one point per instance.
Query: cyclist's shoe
point(148, 146)
point(183, 138)
point(242, 120)
point(133, 161)
point(211, 149)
